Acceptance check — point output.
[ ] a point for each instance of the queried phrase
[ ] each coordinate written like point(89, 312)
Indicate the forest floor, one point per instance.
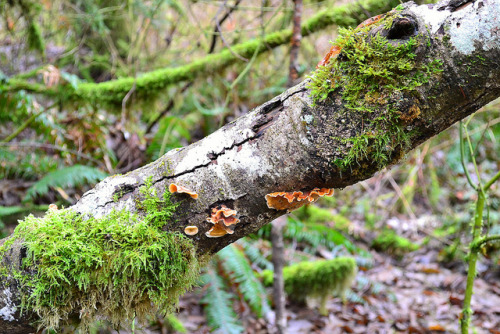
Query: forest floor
point(413, 294)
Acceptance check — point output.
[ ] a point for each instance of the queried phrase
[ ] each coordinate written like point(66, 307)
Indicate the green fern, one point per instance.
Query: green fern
point(313, 235)
point(66, 177)
point(239, 270)
point(254, 254)
point(218, 305)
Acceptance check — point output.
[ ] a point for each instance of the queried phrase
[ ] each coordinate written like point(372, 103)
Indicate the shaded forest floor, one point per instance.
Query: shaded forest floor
point(413, 294)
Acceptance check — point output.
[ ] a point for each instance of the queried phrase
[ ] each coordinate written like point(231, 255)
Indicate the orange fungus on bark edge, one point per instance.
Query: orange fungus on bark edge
point(223, 218)
point(174, 188)
point(293, 200)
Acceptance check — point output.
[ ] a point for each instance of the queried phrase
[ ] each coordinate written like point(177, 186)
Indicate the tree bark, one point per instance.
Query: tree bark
point(287, 144)
point(279, 283)
point(293, 74)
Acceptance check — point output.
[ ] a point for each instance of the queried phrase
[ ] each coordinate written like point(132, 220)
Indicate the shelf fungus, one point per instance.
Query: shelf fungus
point(293, 200)
point(191, 230)
point(224, 220)
point(174, 188)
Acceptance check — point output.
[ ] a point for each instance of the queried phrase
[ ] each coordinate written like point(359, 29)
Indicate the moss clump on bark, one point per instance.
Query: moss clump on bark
point(121, 267)
point(375, 77)
point(317, 280)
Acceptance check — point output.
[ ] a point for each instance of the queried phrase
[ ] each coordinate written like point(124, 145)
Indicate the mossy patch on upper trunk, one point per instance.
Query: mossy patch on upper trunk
point(377, 74)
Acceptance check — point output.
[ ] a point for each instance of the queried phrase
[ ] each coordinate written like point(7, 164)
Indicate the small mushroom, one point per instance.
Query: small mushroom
point(222, 217)
point(191, 230)
point(174, 188)
point(53, 207)
point(293, 200)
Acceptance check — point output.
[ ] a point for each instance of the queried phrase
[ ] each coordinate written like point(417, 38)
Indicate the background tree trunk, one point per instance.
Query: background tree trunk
point(278, 263)
point(290, 144)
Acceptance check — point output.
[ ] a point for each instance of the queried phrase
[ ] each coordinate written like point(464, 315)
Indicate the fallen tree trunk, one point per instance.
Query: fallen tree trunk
point(396, 83)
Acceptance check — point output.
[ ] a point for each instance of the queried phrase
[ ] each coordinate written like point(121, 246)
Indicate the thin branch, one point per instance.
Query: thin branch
point(219, 22)
point(293, 74)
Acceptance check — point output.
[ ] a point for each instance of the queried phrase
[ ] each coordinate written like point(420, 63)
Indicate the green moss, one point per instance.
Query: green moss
point(388, 241)
point(313, 214)
point(35, 38)
point(121, 266)
point(318, 279)
point(370, 74)
point(149, 84)
point(174, 325)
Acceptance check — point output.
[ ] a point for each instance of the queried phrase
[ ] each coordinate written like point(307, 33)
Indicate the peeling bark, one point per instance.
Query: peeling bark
point(287, 145)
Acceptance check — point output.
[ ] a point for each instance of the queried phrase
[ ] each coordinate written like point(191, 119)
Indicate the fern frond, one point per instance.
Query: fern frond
point(218, 305)
point(237, 266)
point(66, 177)
point(254, 254)
point(312, 234)
point(316, 235)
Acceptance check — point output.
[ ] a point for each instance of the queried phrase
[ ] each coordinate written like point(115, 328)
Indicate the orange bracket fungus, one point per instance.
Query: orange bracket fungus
point(224, 220)
point(191, 230)
point(174, 188)
point(293, 200)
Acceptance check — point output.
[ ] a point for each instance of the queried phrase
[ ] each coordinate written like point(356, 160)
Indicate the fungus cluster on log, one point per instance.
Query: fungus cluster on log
point(293, 200)
point(224, 220)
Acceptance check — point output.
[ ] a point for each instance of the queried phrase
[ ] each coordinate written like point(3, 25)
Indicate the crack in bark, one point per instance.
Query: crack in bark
point(212, 158)
point(131, 188)
point(258, 129)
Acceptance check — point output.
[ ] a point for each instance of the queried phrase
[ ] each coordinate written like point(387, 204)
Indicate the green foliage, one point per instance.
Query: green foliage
point(312, 235)
point(252, 250)
point(238, 268)
point(371, 72)
point(316, 279)
point(389, 241)
point(35, 38)
point(121, 266)
point(313, 214)
point(149, 84)
point(218, 305)
point(11, 214)
point(18, 164)
point(66, 177)
point(174, 325)
point(172, 132)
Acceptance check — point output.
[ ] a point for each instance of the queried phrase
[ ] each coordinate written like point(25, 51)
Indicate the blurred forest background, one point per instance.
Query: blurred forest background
point(386, 255)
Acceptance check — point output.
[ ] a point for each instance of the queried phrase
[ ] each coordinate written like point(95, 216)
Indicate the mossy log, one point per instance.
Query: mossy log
point(298, 142)
point(150, 83)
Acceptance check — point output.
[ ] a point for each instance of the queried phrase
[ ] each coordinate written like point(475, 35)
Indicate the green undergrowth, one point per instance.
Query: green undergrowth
point(388, 241)
point(149, 84)
point(315, 215)
point(317, 280)
point(371, 73)
point(174, 325)
point(120, 267)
